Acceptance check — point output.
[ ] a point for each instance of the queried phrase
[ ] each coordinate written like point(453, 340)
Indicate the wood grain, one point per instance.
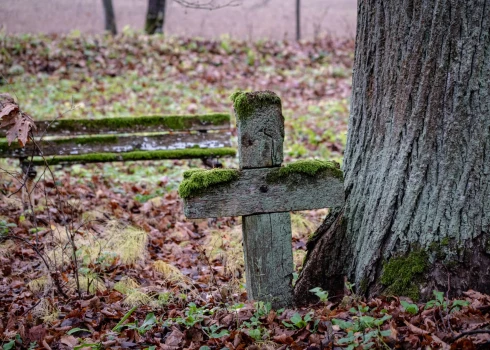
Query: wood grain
point(269, 258)
point(251, 194)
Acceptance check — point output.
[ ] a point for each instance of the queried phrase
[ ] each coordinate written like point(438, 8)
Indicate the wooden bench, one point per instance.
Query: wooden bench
point(66, 141)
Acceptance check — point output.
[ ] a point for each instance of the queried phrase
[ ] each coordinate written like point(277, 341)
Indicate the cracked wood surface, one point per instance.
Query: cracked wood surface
point(267, 238)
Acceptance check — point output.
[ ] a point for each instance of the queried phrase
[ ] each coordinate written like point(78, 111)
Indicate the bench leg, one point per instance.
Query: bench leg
point(211, 163)
point(29, 173)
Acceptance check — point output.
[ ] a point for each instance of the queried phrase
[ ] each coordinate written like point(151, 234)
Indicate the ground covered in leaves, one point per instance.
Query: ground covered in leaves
point(101, 256)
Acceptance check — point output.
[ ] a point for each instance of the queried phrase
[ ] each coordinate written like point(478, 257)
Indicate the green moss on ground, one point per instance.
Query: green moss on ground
point(169, 122)
point(138, 155)
point(400, 274)
point(195, 180)
point(312, 167)
point(245, 103)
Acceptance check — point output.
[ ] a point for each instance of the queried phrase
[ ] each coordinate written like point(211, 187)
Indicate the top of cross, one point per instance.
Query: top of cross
point(261, 185)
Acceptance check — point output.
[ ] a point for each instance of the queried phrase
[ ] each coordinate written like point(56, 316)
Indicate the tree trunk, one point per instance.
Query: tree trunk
point(417, 161)
point(110, 17)
point(155, 16)
point(298, 20)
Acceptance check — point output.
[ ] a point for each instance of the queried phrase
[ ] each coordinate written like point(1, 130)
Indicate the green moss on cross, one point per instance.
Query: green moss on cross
point(312, 167)
point(245, 103)
point(196, 180)
point(400, 274)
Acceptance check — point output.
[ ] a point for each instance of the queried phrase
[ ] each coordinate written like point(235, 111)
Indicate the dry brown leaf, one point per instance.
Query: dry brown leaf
point(18, 124)
point(415, 329)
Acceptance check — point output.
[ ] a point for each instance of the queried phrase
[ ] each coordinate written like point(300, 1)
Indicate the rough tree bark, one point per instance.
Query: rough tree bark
point(110, 17)
point(417, 161)
point(155, 16)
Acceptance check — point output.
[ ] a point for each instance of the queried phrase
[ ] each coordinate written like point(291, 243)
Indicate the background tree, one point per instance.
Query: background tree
point(417, 161)
point(155, 16)
point(110, 17)
point(298, 19)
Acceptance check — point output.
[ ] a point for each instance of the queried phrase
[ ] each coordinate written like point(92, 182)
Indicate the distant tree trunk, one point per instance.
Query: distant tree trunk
point(417, 161)
point(110, 17)
point(298, 20)
point(155, 16)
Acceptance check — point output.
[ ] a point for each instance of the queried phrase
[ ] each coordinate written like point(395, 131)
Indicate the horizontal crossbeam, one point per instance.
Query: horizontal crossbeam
point(266, 190)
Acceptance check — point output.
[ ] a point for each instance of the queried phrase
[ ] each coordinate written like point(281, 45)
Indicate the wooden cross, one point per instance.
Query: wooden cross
point(263, 193)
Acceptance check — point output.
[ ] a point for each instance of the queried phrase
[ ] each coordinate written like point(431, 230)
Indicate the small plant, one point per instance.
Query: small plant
point(11, 344)
point(149, 322)
point(363, 329)
point(298, 322)
point(5, 227)
point(445, 305)
point(409, 308)
point(193, 315)
point(320, 293)
point(212, 331)
point(258, 334)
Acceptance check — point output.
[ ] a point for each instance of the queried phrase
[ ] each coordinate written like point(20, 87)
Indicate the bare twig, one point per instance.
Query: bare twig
point(208, 5)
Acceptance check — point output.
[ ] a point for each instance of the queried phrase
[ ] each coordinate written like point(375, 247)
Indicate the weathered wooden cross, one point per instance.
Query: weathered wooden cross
point(263, 193)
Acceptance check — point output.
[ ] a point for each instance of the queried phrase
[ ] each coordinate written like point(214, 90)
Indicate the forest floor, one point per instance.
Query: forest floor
point(105, 258)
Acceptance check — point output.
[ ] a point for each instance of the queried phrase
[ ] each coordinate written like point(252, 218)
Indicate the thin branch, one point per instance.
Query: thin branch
point(208, 5)
point(476, 331)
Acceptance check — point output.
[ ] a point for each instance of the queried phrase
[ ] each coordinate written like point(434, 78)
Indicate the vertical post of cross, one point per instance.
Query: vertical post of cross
point(266, 237)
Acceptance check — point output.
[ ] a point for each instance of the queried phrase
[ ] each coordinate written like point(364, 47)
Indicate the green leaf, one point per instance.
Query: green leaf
point(386, 333)
point(76, 329)
point(296, 319)
point(125, 317)
point(367, 320)
point(409, 308)
point(346, 340)
point(439, 296)
point(150, 320)
point(342, 324)
point(430, 304)
point(220, 334)
point(9, 346)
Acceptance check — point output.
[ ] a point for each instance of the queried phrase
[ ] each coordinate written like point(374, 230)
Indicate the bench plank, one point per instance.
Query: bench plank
point(119, 125)
point(252, 193)
point(117, 144)
point(190, 153)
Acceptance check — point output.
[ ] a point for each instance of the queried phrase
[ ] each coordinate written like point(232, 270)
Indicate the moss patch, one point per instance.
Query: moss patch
point(197, 180)
point(138, 155)
point(313, 167)
point(400, 274)
point(149, 123)
point(245, 103)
